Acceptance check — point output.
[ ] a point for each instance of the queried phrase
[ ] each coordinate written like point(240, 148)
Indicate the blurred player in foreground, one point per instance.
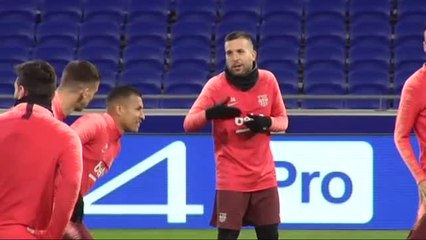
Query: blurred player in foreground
point(100, 136)
point(41, 160)
point(245, 105)
point(412, 115)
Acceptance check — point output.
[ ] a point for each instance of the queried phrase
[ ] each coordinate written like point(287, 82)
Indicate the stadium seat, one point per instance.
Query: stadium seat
point(371, 33)
point(105, 58)
point(57, 56)
point(112, 11)
point(191, 57)
point(317, 58)
point(409, 58)
point(368, 83)
point(24, 11)
point(268, 55)
point(366, 10)
point(10, 56)
point(412, 9)
point(241, 10)
point(132, 55)
point(331, 32)
point(197, 34)
point(57, 34)
point(100, 34)
point(409, 33)
point(282, 11)
point(62, 11)
point(148, 11)
point(399, 80)
point(147, 33)
point(224, 28)
point(324, 82)
point(369, 57)
point(196, 11)
point(316, 10)
point(16, 34)
point(280, 34)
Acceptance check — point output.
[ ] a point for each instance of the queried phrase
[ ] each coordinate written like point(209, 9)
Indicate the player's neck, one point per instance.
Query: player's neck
point(69, 99)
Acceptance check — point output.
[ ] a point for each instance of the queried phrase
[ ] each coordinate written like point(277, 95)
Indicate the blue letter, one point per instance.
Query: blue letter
point(306, 185)
point(291, 173)
point(325, 187)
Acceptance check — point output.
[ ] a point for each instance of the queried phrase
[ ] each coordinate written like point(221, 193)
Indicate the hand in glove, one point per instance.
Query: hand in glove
point(257, 123)
point(222, 112)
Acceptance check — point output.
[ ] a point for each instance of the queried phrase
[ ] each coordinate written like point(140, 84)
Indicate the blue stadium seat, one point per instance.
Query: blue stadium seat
point(100, 34)
point(176, 77)
point(409, 33)
point(399, 80)
point(108, 82)
point(16, 34)
point(317, 58)
point(104, 11)
point(105, 58)
point(18, 11)
point(191, 57)
point(324, 82)
point(224, 28)
point(409, 58)
point(57, 34)
point(283, 33)
point(147, 66)
point(57, 56)
point(369, 57)
point(368, 83)
point(192, 34)
point(146, 81)
point(268, 55)
point(316, 10)
point(373, 34)
point(147, 33)
point(366, 10)
point(412, 9)
point(241, 10)
point(148, 10)
point(331, 32)
point(10, 56)
point(282, 11)
point(62, 10)
point(133, 55)
point(194, 10)
point(289, 85)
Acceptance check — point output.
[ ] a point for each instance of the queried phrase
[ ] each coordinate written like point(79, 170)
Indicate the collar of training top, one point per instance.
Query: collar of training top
point(246, 82)
point(39, 100)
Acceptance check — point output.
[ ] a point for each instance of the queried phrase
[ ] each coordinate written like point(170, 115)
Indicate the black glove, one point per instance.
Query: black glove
point(78, 213)
point(222, 112)
point(258, 123)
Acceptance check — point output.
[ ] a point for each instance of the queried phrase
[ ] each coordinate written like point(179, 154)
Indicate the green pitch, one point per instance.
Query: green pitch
point(247, 234)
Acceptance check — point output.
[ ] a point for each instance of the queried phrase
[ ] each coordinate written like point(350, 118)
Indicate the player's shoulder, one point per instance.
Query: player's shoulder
point(267, 75)
point(216, 81)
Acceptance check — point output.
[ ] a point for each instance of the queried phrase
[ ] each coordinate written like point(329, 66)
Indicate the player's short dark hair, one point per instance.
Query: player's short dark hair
point(80, 71)
point(238, 35)
point(122, 92)
point(38, 78)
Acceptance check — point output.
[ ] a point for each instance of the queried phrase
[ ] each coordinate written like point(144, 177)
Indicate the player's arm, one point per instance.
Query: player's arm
point(86, 127)
point(205, 108)
point(408, 111)
point(67, 187)
point(279, 118)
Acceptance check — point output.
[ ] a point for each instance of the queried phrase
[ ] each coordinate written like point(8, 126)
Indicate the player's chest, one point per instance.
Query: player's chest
point(102, 150)
point(258, 102)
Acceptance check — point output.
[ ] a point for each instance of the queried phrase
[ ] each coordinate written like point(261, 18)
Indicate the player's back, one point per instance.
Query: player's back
point(30, 148)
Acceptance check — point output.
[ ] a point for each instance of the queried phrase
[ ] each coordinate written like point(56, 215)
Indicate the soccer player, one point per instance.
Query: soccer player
point(41, 160)
point(100, 136)
point(412, 115)
point(245, 105)
point(79, 84)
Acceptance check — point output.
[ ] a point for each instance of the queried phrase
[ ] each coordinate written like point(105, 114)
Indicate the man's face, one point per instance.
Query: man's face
point(87, 95)
point(239, 56)
point(131, 113)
